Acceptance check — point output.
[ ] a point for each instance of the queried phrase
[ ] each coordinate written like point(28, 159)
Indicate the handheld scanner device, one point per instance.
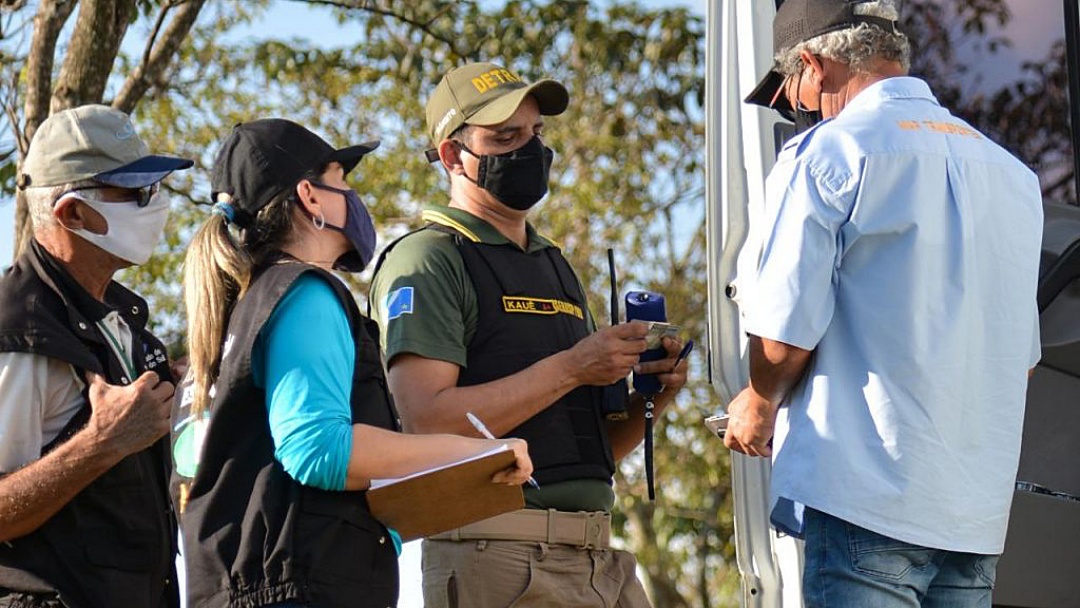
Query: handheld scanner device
point(647, 306)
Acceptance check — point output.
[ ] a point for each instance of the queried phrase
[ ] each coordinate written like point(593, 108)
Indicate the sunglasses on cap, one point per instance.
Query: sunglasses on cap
point(140, 196)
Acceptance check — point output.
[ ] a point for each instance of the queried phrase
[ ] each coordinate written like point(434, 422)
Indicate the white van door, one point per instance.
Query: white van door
point(1026, 95)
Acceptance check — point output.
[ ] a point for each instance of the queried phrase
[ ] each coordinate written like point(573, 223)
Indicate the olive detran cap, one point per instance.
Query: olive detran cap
point(486, 94)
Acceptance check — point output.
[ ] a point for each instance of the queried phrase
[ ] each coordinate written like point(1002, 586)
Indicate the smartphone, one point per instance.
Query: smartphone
point(717, 424)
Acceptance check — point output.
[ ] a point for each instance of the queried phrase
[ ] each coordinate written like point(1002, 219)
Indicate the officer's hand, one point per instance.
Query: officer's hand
point(523, 467)
point(672, 378)
point(607, 355)
point(130, 418)
point(751, 424)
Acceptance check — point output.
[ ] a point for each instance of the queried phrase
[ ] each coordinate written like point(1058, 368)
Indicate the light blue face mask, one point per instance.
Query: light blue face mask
point(358, 228)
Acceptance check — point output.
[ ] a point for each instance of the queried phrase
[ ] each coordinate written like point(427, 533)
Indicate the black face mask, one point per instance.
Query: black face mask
point(519, 178)
point(805, 119)
point(802, 117)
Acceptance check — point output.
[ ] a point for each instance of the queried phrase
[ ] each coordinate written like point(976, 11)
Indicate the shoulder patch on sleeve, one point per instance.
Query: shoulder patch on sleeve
point(399, 302)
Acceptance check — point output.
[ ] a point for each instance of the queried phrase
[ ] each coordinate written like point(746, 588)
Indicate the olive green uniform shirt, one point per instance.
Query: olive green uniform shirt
point(425, 304)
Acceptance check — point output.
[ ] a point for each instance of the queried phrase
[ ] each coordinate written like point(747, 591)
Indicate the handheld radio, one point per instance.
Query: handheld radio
point(647, 306)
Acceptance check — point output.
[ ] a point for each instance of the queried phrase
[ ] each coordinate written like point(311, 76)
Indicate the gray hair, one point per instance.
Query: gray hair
point(40, 201)
point(855, 47)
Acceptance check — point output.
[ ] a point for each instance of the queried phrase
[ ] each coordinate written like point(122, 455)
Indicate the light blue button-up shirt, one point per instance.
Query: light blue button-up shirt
point(902, 246)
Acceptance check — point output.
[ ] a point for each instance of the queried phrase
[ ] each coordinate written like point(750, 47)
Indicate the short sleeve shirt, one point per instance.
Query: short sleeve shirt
point(39, 395)
point(902, 246)
point(425, 304)
point(422, 296)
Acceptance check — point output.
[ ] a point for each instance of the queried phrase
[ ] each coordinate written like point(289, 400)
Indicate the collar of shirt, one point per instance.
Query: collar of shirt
point(478, 230)
point(897, 87)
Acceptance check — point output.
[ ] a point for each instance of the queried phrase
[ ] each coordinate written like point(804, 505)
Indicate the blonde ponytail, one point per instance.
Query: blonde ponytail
point(216, 275)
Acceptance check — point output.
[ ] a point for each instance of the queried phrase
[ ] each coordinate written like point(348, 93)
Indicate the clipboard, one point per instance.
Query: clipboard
point(447, 497)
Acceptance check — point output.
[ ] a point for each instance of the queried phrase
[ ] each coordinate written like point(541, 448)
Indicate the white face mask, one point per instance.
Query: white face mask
point(133, 232)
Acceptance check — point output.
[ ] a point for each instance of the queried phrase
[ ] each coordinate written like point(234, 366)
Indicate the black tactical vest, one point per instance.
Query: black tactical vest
point(530, 307)
point(114, 543)
point(253, 535)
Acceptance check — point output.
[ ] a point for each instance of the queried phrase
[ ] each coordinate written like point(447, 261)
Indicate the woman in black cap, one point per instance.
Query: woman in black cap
point(284, 417)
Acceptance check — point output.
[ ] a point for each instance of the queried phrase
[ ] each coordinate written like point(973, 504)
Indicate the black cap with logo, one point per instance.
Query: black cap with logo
point(263, 158)
point(797, 21)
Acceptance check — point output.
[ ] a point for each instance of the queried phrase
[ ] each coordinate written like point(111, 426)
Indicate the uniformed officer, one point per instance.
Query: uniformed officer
point(480, 314)
point(85, 389)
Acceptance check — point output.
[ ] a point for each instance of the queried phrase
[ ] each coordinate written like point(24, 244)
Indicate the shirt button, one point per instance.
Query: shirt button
point(82, 325)
point(382, 540)
point(123, 380)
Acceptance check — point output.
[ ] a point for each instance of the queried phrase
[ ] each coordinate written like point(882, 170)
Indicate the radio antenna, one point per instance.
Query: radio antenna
point(614, 287)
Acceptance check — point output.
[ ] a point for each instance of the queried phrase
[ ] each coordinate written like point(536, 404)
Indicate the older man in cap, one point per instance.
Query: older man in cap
point(892, 320)
point(85, 389)
point(482, 315)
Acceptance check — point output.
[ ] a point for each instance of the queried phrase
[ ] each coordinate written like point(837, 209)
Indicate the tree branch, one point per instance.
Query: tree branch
point(12, 112)
point(372, 7)
point(1061, 182)
point(95, 41)
point(158, 54)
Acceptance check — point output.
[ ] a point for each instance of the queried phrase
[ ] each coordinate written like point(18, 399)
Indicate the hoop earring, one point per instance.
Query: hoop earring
point(319, 222)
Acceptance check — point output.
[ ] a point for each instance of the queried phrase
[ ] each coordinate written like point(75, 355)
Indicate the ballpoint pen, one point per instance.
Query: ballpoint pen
point(689, 346)
point(479, 425)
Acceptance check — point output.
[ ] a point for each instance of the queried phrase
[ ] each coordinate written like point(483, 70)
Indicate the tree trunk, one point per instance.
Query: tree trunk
point(49, 20)
point(659, 575)
point(95, 41)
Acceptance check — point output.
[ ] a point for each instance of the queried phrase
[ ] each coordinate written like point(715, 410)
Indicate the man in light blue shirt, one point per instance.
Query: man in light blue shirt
point(892, 320)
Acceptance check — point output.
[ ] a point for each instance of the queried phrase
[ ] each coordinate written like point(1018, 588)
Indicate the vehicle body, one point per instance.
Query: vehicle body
point(1042, 554)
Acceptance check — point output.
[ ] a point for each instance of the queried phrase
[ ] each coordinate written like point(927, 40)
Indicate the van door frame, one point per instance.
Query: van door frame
point(1072, 63)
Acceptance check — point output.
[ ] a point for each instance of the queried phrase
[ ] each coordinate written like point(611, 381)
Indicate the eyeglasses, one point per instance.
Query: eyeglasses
point(786, 111)
point(140, 196)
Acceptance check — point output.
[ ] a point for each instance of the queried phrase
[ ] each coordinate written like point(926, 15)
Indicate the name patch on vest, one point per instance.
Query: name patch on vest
point(541, 306)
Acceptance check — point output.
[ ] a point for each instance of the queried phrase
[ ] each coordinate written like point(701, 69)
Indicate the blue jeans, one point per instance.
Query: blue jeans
point(848, 566)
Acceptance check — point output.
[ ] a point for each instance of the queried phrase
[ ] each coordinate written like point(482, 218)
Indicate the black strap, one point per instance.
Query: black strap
point(649, 417)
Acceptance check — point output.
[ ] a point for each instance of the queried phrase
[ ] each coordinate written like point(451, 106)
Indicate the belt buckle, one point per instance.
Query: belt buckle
point(594, 529)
